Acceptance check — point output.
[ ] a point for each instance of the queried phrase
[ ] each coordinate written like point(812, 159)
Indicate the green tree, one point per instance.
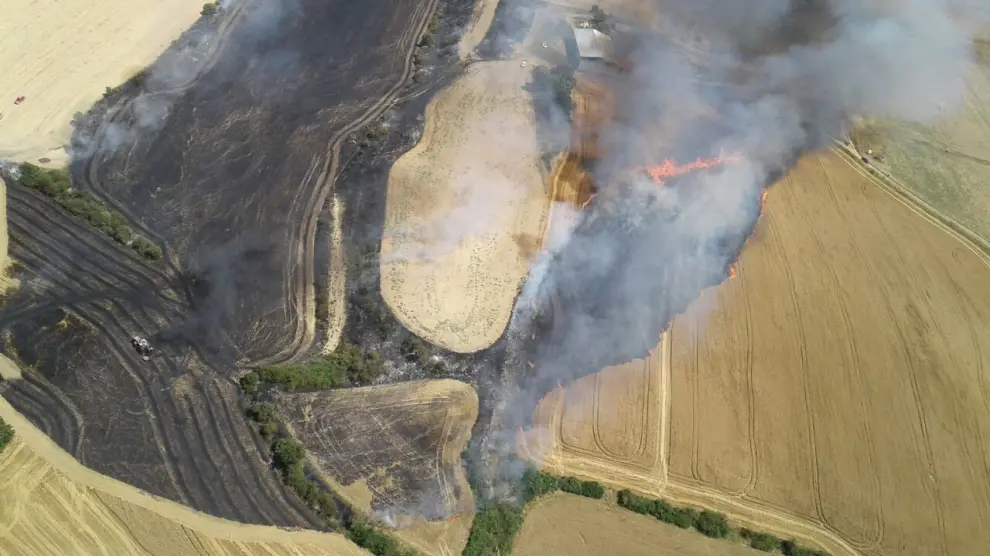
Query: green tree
point(712, 524)
point(493, 531)
point(209, 10)
point(262, 412)
point(249, 382)
point(287, 452)
point(6, 434)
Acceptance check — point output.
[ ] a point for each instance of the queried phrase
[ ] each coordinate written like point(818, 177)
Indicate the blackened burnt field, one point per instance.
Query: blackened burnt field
point(231, 182)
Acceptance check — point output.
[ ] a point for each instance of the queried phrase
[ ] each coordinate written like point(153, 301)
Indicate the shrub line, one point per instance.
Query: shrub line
point(56, 184)
point(6, 434)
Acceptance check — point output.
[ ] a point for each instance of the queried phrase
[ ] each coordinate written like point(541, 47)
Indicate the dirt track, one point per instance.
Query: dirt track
point(465, 211)
point(852, 335)
point(173, 426)
point(50, 504)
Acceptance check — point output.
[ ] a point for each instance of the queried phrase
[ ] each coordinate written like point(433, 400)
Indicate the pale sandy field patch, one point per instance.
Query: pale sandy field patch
point(61, 55)
point(464, 208)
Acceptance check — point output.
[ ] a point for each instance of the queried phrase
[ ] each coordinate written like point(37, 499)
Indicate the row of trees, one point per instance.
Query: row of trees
point(57, 185)
point(289, 460)
point(710, 524)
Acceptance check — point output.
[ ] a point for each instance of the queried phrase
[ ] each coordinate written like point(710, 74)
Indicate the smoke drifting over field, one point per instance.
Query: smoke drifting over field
point(783, 78)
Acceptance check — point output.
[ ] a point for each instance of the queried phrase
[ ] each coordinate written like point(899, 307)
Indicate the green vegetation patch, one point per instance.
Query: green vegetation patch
point(6, 434)
point(708, 523)
point(537, 483)
point(494, 531)
point(376, 541)
point(348, 364)
point(57, 185)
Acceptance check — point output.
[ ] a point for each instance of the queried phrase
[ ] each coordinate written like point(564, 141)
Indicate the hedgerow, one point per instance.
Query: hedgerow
point(57, 185)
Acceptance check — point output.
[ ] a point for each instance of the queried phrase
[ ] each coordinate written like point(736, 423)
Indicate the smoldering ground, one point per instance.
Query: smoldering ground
point(783, 78)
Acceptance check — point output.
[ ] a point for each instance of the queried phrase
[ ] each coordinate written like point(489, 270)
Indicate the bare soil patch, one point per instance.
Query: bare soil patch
point(458, 202)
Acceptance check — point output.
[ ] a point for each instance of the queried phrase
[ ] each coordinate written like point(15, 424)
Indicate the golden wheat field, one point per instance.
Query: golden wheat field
point(835, 390)
point(50, 504)
point(841, 378)
point(465, 209)
point(576, 526)
point(607, 426)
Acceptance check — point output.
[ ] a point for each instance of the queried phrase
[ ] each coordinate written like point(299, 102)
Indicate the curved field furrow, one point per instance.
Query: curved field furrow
point(37, 209)
point(868, 319)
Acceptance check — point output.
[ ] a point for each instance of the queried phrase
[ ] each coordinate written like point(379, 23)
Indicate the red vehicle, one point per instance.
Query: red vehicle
point(19, 100)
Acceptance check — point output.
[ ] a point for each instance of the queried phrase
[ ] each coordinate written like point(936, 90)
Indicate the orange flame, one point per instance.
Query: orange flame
point(732, 270)
point(585, 204)
point(671, 169)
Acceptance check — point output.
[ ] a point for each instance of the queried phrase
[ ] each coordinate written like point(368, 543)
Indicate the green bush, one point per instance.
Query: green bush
point(346, 364)
point(791, 548)
point(269, 429)
point(287, 452)
point(57, 184)
point(414, 348)
point(6, 434)
point(262, 412)
point(760, 541)
point(146, 248)
point(712, 524)
point(589, 489)
point(210, 10)
point(536, 484)
point(249, 382)
point(373, 540)
point(493, 531)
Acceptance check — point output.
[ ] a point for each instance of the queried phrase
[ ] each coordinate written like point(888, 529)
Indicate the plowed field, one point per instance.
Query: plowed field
point(50, 504)
point(395, 449)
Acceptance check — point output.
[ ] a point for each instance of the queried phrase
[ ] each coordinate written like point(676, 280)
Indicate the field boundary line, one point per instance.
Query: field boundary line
point(902, 194)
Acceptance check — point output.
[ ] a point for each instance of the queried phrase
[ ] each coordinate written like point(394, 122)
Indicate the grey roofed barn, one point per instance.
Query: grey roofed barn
point(592, 43)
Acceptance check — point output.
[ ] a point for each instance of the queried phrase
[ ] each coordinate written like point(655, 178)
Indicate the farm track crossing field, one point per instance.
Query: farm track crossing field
point(174, 425)
point(840, 379)
point(50, 504)
point(577, 526)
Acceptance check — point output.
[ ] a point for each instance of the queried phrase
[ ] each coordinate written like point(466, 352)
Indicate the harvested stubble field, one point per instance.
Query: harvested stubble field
point(62, 55)
point(394, 449)
point(608, 426)
point(564, 523)
point(50, 504)
point(839, 381)
point(465, 211)
point(948, 163)
point(267, 134)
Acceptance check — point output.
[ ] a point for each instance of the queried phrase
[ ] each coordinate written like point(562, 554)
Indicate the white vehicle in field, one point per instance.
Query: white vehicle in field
point(143, 347)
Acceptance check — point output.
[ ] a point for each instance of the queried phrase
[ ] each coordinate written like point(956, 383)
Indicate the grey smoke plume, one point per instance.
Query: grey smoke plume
point(773, 79)
point(170, 75)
